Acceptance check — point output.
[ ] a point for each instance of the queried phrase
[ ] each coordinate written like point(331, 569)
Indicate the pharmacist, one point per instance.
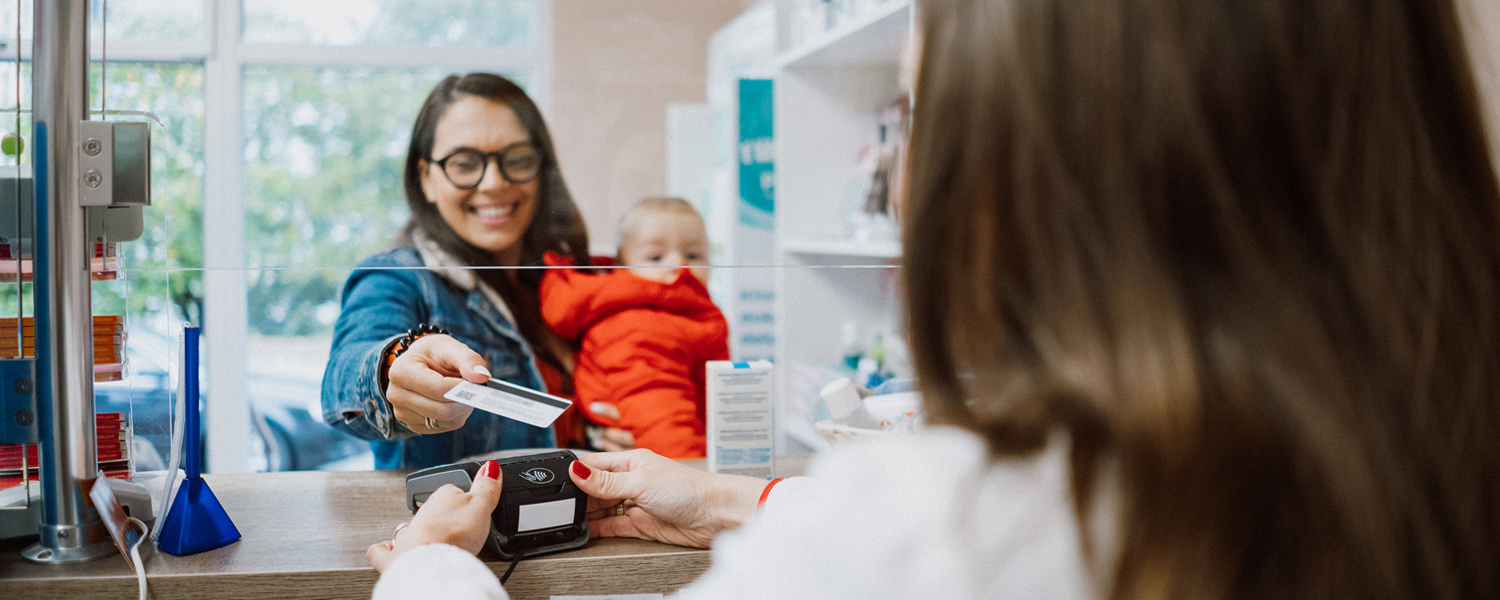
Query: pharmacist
point(1203, 304)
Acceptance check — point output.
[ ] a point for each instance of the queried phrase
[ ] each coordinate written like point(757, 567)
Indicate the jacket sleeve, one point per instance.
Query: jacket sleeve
point(438, 571)
point(378, 307)
point(651, 375)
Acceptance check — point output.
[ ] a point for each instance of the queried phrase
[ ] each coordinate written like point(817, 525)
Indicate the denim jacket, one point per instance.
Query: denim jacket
point(383, 298)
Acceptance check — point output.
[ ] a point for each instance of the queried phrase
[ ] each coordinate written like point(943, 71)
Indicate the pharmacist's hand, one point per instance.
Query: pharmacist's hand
point(421, 375)
point(642, 495)
point(449, 516)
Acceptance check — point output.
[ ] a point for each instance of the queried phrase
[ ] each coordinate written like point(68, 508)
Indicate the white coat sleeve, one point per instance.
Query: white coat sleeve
point(438, 571)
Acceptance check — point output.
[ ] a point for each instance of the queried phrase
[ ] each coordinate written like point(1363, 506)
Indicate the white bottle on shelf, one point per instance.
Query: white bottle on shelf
point(846, 405)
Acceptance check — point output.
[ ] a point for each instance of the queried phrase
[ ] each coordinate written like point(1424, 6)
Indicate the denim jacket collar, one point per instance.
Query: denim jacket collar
point(448, 267)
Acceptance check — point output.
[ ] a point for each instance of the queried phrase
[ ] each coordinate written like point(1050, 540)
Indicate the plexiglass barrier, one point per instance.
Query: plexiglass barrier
point(278, 166)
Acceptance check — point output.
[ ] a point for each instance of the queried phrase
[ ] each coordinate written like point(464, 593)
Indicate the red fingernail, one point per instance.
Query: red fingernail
point(491, 470)
point(581, 471)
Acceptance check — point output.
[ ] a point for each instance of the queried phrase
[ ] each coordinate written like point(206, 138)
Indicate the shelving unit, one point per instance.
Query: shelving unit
point(886, 250)
point(870, 39)
point(828, 91)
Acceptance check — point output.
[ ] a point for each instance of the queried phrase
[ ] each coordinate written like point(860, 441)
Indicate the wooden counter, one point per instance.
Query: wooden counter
point(304, 535)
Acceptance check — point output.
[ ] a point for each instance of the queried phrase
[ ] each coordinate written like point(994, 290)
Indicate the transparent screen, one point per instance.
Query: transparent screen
point(280, 171)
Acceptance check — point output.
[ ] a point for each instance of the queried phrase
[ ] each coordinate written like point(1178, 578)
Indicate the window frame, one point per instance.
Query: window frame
point(225, 55)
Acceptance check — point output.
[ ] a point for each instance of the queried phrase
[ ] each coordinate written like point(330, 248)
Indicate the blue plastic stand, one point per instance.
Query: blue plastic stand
point(196, 522)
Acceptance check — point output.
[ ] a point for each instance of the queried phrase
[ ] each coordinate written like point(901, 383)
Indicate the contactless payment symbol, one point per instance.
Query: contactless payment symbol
point(537, 476)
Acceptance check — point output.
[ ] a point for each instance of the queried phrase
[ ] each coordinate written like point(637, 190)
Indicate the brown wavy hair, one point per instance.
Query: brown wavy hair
point(557, 227)
point(1247, 254)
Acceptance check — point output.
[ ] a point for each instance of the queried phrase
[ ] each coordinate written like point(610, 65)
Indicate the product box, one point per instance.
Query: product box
point(740, 419)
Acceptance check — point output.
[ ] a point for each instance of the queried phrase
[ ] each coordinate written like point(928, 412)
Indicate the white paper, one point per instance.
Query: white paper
point(546, 515)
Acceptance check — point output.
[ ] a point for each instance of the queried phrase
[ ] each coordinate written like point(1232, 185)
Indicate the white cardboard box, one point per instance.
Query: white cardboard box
point(740, 418)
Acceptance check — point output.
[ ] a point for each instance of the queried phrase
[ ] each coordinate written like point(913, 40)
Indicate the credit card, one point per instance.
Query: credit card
point(511, 401)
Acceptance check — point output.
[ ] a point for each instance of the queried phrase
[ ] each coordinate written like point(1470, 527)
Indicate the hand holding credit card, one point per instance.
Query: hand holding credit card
point(511, 401)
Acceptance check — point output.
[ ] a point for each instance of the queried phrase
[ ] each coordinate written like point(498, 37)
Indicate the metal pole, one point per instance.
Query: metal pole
point(70, 529)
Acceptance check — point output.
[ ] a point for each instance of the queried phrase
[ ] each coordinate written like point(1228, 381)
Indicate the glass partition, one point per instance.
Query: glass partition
point(154, 283)
point(295, 133)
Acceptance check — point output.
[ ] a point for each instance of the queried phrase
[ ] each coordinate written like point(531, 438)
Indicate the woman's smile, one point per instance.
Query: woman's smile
point(494, 214)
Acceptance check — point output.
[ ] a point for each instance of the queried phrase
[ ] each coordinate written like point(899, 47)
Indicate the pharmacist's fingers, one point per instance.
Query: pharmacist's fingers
point(616, 526)
point(599, 509)
point(615, 476)
point(637, 523)
point(379, 554)
point(602, 484)
point(620, 462)
point(484, 491)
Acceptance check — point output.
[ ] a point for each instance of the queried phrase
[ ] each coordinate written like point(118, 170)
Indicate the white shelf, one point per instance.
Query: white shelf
point(889, 250)
point(873, 38)
point(828, 94)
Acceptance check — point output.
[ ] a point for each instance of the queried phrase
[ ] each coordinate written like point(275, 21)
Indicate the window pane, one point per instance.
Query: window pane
point(350, 22)
point(15, 23)
point(324, 150)
point(128, 20)
point(148, 20)
point(15, 91)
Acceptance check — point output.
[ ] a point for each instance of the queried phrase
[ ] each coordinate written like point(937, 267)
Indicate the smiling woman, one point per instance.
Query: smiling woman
point(485, 190)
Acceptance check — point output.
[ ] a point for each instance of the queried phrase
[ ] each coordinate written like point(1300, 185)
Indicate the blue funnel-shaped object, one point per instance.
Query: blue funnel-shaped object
point(196, 521)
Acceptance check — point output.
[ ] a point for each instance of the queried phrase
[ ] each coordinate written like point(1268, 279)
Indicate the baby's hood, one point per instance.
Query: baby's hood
point(573, 301)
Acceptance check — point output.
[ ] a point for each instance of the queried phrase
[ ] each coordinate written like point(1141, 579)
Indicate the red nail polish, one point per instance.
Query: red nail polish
point(581, 470)
point(491, 470)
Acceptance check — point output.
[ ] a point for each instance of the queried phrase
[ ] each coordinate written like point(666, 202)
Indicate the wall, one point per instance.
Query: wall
point(616, 67)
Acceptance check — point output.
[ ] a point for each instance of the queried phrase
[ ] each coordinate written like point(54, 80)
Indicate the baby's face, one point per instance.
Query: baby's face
point(661, 242)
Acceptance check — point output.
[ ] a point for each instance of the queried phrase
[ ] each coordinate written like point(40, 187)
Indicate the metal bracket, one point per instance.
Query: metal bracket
point(114, 163)
point(17, 402)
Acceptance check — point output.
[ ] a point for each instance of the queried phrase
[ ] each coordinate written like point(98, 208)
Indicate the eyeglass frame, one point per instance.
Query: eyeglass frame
point(499, 158)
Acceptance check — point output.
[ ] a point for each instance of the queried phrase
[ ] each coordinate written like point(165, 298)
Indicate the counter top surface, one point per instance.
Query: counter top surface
point(304, 535)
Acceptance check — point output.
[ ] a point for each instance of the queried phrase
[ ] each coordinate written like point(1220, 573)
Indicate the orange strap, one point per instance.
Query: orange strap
point(767, 492)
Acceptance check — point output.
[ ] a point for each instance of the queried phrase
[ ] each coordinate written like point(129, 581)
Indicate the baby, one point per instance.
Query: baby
point(644, 333)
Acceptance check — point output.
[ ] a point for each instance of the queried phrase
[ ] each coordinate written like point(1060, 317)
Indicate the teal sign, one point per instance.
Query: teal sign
point(757, 154)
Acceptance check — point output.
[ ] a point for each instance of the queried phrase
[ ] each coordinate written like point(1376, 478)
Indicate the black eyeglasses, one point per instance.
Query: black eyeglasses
point(519, 163)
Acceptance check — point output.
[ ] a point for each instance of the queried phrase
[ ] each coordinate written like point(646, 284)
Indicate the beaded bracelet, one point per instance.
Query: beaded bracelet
point(400, 346)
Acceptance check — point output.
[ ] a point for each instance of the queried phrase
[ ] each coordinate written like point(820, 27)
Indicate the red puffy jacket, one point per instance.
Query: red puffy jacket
point(643, 349)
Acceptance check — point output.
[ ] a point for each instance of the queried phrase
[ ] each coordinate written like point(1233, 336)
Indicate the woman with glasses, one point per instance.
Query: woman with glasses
point(447, 303)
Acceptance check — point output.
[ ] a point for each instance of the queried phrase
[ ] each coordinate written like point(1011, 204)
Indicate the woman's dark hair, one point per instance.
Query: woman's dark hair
point(557, 226)
point(1246, 254)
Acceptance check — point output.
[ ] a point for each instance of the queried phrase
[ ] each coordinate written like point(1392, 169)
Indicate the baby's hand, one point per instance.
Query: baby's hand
point(611, 439)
